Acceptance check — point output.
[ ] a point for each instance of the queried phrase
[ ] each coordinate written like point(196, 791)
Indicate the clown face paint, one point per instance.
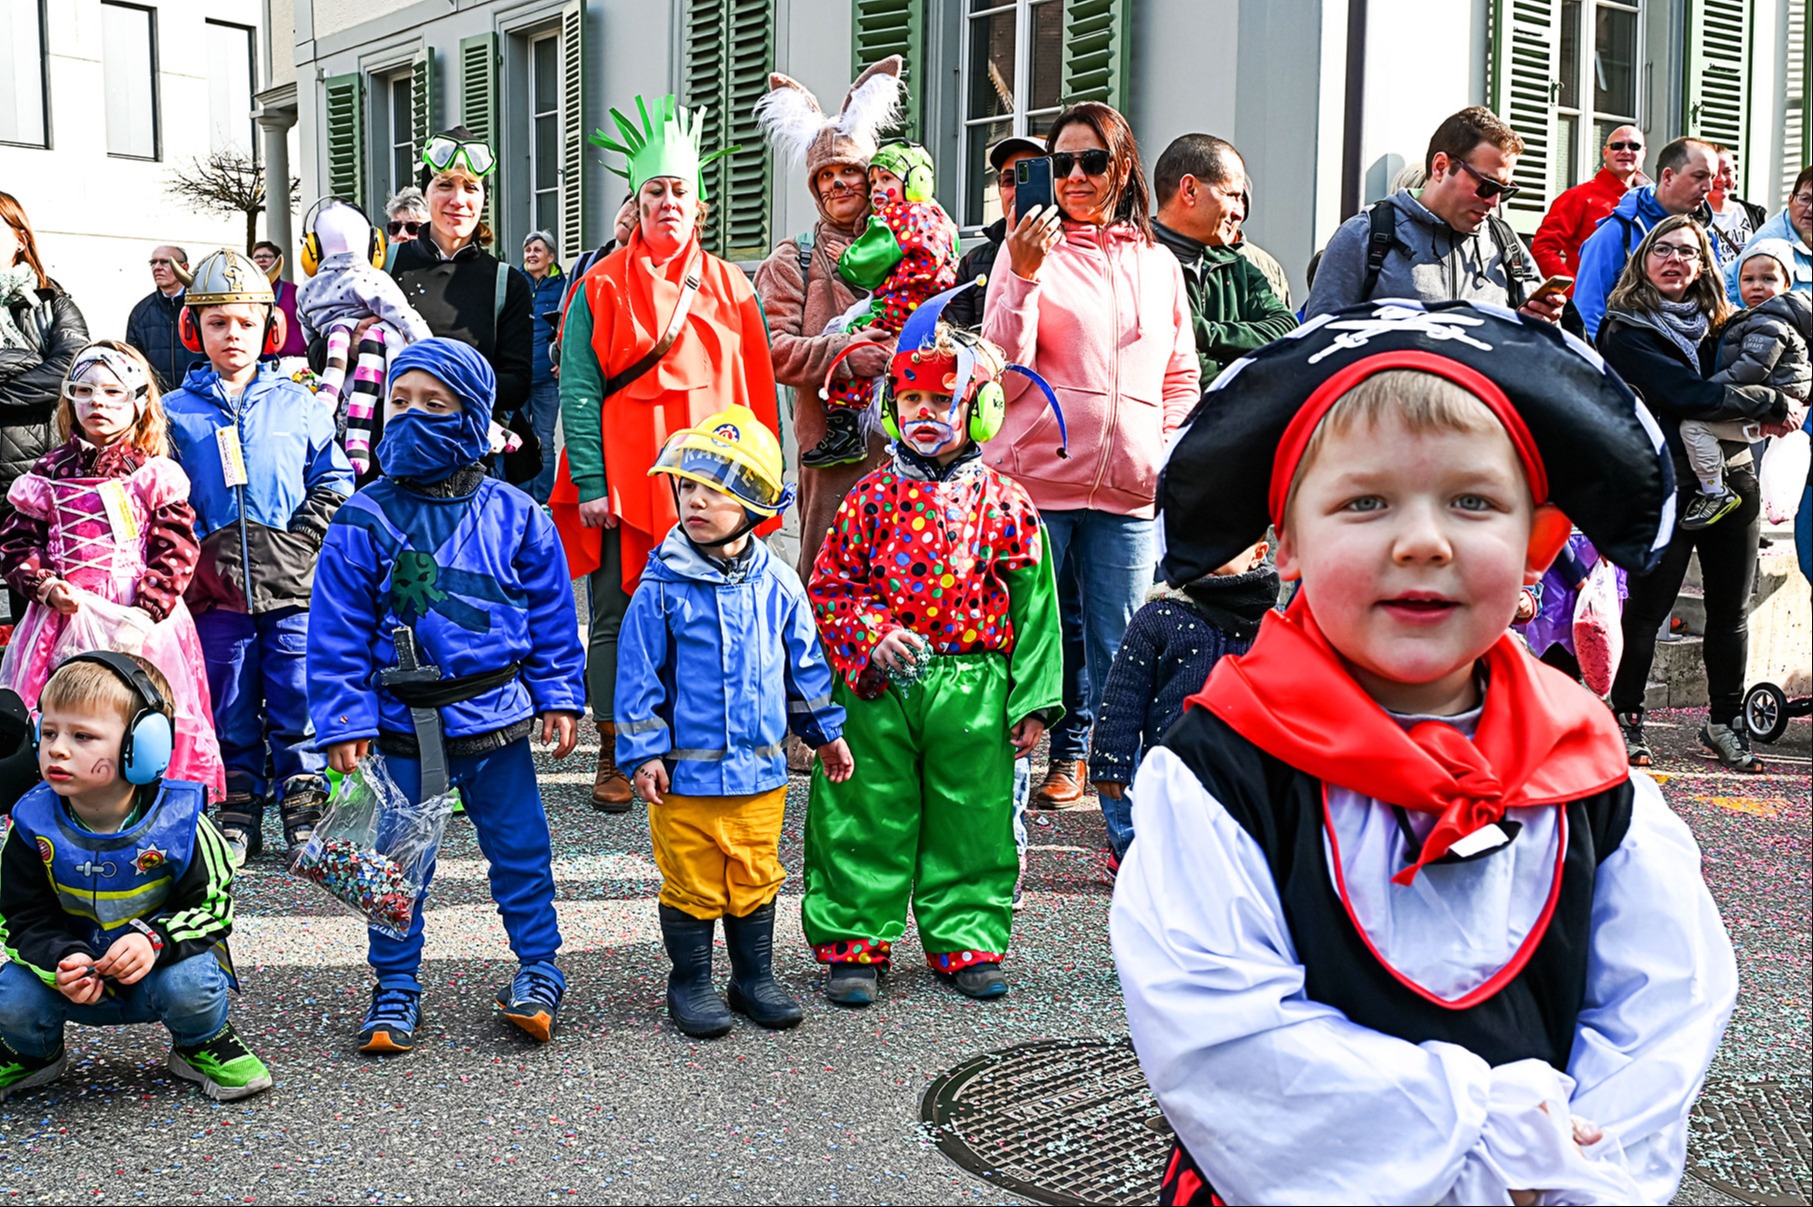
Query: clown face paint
point(885, 188)
point(931, 424)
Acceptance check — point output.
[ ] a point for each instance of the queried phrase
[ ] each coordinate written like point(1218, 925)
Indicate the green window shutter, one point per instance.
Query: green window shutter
point(423, 96)
point(1523, 63)
point(879, 28)
point(572, 131)
point(1095, 51)
point(478, 106)
point(344, 105)
point(1717, 55)
point(729, 48)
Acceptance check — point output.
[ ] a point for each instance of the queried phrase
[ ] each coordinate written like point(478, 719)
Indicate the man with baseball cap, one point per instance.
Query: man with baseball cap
point(966, 308)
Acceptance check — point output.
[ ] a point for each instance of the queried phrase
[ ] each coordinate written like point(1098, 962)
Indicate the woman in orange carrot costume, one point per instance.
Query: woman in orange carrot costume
point(658, 335)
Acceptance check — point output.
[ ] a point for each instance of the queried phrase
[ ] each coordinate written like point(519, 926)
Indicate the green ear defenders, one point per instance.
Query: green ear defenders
point(987, 412)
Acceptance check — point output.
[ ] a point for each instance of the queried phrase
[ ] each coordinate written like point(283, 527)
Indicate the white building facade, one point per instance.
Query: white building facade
point(1327, 99)
point(101, 104)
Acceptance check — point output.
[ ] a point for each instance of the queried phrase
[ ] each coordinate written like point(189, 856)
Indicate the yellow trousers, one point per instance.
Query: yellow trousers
point(718, 854)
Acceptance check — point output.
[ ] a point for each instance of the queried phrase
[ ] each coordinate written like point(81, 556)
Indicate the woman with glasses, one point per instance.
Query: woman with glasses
point(269, 258)
point(459, 288)
point(1083, 295)
point(405, 216)
point(658, 335)
point(1661, 333)
point(1794, 224)
point(41, 330)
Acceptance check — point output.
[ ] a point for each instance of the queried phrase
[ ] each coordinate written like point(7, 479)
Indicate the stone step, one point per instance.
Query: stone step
point(1677, 678)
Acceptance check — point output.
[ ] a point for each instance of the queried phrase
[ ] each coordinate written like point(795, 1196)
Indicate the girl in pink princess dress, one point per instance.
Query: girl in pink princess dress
point(102, 540)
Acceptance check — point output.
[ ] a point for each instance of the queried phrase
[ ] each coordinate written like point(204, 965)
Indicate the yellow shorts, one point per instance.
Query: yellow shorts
point(718, 854)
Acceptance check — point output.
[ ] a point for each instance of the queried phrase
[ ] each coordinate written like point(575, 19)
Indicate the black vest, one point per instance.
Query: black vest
point(1533, 1015)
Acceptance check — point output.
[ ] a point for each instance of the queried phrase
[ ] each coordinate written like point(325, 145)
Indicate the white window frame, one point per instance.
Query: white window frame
point(250, 134)
point(151, 49)
point(1024, 122)
point(1587, 117)
point(535, 193)
point(43, 142)
point(394, 134)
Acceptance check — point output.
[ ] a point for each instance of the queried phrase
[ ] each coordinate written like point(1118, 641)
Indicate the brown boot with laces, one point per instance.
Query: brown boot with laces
point(611, 788)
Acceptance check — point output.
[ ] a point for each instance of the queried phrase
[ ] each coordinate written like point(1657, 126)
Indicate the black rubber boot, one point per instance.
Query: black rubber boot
point(843, 443)
point(692, 1002)
point(754, 992)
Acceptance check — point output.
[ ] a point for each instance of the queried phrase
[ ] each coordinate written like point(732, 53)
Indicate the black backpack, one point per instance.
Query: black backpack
point(1381, 237)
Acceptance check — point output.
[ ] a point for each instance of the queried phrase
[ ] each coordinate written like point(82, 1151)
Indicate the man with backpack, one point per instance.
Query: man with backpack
point(1685, 170)
point(1444, 242)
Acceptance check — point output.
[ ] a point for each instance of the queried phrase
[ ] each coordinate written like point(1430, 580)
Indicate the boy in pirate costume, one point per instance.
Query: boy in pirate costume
point(1401, 924)
point(935, 600)
point(469, 571)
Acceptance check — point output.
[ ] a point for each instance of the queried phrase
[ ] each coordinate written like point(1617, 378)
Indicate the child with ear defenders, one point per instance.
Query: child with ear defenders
point(344, 288)
point(115, 889)
point(473, 569)
point(1402, 924)
point(935, 599)
point(102, 538)
point(907, 254)
point(265, 477)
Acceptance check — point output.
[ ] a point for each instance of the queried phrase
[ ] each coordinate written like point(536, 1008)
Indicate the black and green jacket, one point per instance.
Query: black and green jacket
point(1234, 308)
point(66, 890)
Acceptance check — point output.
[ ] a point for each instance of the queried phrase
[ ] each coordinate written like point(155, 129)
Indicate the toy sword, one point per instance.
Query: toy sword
point(409, 670)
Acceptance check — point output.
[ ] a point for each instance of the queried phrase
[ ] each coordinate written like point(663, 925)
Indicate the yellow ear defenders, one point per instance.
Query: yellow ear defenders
point(311, 257)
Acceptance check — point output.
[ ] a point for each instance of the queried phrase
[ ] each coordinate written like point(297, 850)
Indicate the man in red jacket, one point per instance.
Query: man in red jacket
point(1577, 211)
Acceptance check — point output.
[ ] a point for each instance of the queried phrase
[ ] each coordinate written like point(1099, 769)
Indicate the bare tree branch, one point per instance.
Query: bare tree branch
point(227, 182)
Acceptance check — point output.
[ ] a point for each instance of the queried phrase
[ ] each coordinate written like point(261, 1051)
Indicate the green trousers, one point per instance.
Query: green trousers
point(927, 818)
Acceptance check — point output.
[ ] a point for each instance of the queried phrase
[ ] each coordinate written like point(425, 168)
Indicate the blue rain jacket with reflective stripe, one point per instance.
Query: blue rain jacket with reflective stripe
point(713, 668)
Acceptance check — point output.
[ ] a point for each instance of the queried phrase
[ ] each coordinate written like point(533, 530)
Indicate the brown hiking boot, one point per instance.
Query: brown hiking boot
point(1063, 786)
point(611, 788)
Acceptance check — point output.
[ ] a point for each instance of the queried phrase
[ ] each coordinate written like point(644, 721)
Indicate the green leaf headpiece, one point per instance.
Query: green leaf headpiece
point(666, 145)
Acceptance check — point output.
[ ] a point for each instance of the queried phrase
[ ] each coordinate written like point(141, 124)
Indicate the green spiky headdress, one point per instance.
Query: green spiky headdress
point(666, 145)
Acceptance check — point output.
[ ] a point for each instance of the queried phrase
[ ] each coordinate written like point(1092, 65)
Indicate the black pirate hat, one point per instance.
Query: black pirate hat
point(1586, 441)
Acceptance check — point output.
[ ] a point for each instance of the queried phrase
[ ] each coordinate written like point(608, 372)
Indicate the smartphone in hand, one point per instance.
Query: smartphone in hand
point(1032, 185)
point(1559, 283)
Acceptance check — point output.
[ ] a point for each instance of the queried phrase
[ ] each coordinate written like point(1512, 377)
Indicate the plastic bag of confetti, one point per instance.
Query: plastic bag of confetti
point(1598, 630)
point(373, 846)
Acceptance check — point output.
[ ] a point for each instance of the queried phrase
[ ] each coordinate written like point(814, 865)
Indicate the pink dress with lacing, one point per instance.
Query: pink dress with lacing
point(102, 555)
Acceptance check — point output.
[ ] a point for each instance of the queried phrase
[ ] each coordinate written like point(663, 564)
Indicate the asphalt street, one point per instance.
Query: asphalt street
point(621, 1108)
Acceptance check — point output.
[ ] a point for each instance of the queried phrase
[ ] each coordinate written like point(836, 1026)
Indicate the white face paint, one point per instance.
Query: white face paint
point(105, 409)
point(929, 423)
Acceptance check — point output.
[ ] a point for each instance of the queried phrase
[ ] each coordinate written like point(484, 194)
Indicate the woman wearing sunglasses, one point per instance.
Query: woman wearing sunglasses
point(658, 335)
point(1083, 295)
point(459, 288)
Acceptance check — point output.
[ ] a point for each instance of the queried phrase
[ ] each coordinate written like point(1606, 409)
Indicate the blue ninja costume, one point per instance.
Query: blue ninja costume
point(474, 567)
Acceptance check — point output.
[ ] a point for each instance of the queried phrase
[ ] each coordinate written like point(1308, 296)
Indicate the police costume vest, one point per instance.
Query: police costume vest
point(109, 880)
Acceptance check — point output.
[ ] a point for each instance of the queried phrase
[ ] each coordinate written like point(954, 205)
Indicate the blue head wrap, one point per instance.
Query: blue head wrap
point(428, 448)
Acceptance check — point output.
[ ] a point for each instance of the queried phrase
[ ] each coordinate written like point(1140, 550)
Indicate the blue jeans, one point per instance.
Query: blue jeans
point(1070, 736)
point(189, 997)
point(544, 412)
point(258, 677)
point(1115, 557)
point(504, 806)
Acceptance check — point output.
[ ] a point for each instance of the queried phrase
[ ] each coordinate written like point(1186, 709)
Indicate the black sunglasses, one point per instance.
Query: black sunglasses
point(1488, 187)
point(1624, 146)
point(397, 227)
point(1095, 163)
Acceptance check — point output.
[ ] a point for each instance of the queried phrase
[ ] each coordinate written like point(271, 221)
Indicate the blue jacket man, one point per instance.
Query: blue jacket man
point(474, 569)
point(1685, 170)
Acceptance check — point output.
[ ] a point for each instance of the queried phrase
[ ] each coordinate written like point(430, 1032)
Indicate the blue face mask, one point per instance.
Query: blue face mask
point(424, 447)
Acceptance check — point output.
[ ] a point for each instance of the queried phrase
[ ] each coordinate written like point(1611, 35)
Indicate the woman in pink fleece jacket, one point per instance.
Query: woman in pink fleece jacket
point(1089, 300)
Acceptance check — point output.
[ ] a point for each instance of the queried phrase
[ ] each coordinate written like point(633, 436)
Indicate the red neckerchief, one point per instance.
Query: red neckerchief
point(1542, 738)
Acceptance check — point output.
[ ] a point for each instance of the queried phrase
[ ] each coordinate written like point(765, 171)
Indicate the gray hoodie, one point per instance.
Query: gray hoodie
point(1430, 262)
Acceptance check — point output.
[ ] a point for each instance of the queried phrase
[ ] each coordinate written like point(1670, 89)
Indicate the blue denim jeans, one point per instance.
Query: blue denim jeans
point(1070, 736)
point(258, 678)
point(544, 413)
point(1114, 558)
point(189, 997)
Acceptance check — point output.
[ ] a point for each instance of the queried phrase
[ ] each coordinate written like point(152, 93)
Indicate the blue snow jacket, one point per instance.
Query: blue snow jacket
point(713, 667)
point(1603, 255)
point(296, 477)
point(478, 572)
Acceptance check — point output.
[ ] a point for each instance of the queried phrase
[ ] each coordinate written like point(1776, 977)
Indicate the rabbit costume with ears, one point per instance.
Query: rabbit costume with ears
point(797, 127)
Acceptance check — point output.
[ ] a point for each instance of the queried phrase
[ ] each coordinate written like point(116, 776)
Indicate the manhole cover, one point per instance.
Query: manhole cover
point(1749, 1139)
point(1059, 1121)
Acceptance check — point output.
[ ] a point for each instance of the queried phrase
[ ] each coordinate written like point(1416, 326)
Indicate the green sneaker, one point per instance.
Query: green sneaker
point(19, 1072)
point(223, 1066)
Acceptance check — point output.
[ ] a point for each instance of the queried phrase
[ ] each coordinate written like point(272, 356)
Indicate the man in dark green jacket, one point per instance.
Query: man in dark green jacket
point(1201, 184)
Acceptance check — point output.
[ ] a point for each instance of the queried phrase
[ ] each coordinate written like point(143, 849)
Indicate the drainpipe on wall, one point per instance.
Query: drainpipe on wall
point(1352, 129)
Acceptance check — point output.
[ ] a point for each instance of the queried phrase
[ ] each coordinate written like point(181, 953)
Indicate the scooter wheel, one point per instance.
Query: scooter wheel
point(1765, 712)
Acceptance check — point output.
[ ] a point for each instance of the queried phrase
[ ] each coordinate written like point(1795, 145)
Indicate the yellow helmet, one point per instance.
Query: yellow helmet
point(224, 277)
point(733, 452)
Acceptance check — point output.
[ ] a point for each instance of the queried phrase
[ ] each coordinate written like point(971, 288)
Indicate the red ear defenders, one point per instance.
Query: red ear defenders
point(276, 331)
point(150, 738)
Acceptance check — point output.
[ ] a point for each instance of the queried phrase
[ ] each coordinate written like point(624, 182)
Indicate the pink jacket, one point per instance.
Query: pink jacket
point(1108, 325)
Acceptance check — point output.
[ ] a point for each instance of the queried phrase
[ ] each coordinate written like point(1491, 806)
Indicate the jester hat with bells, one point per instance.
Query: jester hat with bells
point(666, 145)
point(799, 129)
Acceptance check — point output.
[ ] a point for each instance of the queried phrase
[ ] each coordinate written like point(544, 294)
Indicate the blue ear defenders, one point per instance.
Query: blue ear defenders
point(150, 738)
